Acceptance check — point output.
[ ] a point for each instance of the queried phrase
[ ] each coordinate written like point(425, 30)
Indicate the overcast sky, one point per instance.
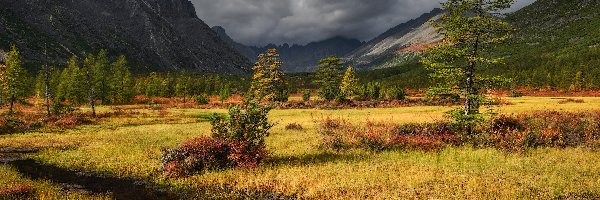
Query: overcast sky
point(260, 22)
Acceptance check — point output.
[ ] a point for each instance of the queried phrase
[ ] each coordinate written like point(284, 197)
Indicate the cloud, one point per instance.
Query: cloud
point(260, 22)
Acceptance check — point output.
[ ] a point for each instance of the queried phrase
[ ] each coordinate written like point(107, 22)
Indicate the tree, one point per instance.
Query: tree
point(329, 77)
point(89, 64)
point(101, 76)
point(471, 29)
point(268, 81)
point(122, 91)
point(14, 78)
point(183, 86)
point(225, 93)
point(349, 86)
point(72, 83)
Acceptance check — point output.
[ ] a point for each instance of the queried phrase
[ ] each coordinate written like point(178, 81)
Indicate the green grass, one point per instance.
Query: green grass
point(130, 147)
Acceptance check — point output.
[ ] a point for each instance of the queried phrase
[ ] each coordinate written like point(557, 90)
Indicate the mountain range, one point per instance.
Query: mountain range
point(554, 36)
point(296, 58)
point(155, 35)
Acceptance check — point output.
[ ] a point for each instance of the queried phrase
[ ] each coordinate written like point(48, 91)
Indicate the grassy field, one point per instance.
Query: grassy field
point(130, 148)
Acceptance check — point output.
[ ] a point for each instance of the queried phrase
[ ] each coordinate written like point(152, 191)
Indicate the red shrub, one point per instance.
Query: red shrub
point(18, 192)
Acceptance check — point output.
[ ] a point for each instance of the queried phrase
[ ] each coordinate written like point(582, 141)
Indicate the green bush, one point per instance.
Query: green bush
point(202, 99)
point(395, 93)
point(238, 140)
point(306, 95)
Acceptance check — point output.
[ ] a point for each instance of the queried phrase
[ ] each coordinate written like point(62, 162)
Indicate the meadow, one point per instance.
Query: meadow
point(126, 148)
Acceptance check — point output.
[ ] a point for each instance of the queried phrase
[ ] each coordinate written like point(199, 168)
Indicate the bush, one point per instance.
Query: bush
point(395, 93)
point(509, 133)
point(238, 140)
point(294, 126)
point(515, 93)
point(196, 155)
point(570, 100)
point(202, 99)
point(306, 95)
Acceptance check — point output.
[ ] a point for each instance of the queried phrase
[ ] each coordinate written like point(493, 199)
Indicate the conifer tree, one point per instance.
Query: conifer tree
point(72, 84)
point(101, 76)
point(471, 29)
point(268, 81)
point(122, 91)
point(329, 77)
point(350, 86)
point(89, 66)
point(183, 86)
point(14, 78)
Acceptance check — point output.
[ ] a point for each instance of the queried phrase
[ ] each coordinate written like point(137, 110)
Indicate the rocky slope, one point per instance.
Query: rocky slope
point(398, 43)
point(160, 34)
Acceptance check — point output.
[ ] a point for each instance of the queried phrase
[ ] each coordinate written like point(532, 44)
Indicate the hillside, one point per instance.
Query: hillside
point(398, 44)
point(163, 35)
point(556, 40)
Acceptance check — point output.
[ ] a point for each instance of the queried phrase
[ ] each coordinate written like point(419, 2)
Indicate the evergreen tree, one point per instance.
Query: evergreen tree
point(329, 77)
point(72, 84)
point(225, 93)
point(101, 77)
point(268, 81)
point(14, 78)
point(471, 30)
point(349, 86)
point(89, 66)
point(183, 86)
point(123, 82)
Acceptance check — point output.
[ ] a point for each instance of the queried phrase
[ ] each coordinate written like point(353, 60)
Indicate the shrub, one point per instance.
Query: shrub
point(202, 99)
point(238, 140)
point(516, 133)
point(306, 95)
point(515, 93)
point(570, 100)
point(395, 93)
point(294, 126)
point(18, 192)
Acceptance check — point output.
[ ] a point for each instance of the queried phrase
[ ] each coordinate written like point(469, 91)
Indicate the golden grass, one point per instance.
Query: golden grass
point(130, 147)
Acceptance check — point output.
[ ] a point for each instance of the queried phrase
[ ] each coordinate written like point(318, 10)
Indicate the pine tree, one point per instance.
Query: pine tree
point(268, 81)
point(349, 86)
point(471, 29)
point(329, 77)
point(14, 78)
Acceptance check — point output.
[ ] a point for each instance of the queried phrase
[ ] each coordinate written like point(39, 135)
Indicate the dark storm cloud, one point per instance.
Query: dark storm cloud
point(259, 22)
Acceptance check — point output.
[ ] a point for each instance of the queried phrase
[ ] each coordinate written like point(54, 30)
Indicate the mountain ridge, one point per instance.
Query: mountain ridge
point(163, 35)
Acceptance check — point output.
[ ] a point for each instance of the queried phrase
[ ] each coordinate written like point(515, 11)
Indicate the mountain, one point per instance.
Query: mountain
point(555, 41)
point(163, 35)
point(246, 51)
point(304, 58)
point(399, 42)
point(296, 58)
